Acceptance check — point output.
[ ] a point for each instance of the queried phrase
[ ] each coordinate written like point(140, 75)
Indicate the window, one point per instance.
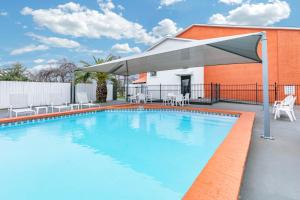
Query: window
point(153, 73)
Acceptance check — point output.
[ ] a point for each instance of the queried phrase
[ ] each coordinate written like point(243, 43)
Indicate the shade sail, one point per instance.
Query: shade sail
point(236, 49)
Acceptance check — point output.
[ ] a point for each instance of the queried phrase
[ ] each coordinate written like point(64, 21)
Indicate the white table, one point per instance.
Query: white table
point(38, 108)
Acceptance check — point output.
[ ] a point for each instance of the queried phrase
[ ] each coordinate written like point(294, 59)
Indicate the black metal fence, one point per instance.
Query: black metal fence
point(214, 92)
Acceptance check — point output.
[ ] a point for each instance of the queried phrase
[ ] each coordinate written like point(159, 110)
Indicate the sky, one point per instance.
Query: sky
point(39, 33)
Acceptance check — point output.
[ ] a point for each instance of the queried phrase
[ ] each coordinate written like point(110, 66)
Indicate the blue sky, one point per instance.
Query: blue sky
point(36, 32)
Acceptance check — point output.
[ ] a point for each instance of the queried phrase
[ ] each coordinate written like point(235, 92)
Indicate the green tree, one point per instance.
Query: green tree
point(16, 72)
point(100, 77)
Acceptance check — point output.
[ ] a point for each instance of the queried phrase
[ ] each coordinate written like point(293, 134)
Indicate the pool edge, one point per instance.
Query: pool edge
point(222, 176)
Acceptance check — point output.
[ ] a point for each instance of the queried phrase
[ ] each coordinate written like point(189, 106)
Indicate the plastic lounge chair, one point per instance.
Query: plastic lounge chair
point(84, 101)
point(287, 108)
point(19, 104)
point(60, 107)
point(58, 103)
point(74, 106)
point(285, 101)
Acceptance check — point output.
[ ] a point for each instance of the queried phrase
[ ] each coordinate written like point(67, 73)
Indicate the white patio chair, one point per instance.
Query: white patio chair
point(287, 108)
point(179, 100)
point(285, 101)
point(171, 98)
point(19, 104)
point(166, 100)
point(83, 100)
point(187, 98)
point(149, 97)
point(133, 99)
point(142, 98)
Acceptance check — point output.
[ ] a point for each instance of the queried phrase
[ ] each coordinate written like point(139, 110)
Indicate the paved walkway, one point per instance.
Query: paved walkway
point(273, 167)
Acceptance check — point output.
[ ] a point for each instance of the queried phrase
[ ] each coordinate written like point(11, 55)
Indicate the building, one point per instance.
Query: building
point(283, 54)
point(283, 51)
point(184, 78)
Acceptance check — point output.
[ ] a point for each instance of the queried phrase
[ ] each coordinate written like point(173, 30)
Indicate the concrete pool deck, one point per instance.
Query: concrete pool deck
point(272, 170)
point(273, 167)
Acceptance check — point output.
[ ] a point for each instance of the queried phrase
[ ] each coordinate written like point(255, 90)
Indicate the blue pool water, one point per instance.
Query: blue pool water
point(108, 155)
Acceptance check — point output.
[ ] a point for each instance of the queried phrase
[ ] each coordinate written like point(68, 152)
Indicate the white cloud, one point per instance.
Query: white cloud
point(231, 2)
point(38, 68)
point(255, 14)
point(165, 27)
point(168, 2)
point(49, 64)
point(125, 48)
point(120, 7)
point(79, 21)
point(52, 61)
point(89, 51)
point(3, 13)
point(55, 41)
point(39, 60)
point(29, 48)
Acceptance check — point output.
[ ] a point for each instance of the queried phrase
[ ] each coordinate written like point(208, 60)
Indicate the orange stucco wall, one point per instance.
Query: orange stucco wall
point(143, 75)
point(283, 52)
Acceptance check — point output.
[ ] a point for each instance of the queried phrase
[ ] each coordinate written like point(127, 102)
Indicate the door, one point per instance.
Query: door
point(185, 85)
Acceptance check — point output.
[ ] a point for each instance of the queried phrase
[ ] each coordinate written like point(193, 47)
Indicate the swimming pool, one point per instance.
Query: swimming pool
point(115, 154)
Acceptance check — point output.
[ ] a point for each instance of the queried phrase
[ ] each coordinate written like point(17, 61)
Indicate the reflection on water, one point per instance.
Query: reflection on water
point(108, 155)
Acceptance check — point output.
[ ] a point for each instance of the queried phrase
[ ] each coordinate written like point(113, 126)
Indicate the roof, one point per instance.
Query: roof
point(140, 80)
point(239, 26)
point(235, 49)
point(168, 39)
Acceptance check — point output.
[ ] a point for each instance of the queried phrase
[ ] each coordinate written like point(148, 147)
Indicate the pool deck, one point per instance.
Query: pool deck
point(272, 169)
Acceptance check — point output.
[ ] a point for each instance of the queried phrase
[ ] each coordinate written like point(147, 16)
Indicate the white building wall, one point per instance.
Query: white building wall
point(170, 82)
point(172, 77)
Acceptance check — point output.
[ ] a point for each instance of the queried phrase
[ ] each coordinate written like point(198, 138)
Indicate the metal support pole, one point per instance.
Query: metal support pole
point(73, 88)
point(160, 92)
point(211, 93)
point(127, 81)
point(267, 134)
point(256, 93)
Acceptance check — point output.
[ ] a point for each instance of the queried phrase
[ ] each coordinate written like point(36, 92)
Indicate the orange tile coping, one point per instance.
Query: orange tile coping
point(222, 176)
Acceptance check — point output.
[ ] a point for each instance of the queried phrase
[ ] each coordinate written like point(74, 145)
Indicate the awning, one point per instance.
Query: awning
point(236, 49)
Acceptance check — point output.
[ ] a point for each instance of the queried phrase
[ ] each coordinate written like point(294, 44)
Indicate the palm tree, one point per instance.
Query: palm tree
point(100, 77)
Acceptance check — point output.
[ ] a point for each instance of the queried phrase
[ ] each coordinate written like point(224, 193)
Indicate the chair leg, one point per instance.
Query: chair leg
point(276, 114)
point(290, 115)
point(293, 114)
